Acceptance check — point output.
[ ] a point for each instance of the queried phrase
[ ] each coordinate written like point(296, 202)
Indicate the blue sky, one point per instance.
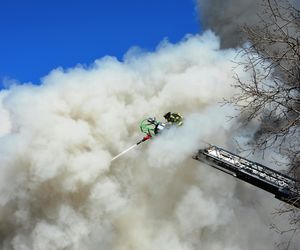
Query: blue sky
point(40, 35)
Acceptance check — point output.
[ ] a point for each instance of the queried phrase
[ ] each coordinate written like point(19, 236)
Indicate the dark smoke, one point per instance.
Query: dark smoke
point(226, 17)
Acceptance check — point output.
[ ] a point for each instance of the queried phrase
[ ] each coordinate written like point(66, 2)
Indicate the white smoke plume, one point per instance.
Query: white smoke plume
point(60, 190)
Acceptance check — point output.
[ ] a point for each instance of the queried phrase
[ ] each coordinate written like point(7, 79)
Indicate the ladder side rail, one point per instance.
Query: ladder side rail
point(233, 160)
point(244, 163)
point(252, 173)
point(245, 176)
point(258, 164)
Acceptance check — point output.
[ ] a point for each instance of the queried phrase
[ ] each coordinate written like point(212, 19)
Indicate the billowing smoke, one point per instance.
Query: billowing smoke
point(60, 190)
point(226, 18)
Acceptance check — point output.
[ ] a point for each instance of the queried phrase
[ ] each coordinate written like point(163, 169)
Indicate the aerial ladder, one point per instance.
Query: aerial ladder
point(284, 187)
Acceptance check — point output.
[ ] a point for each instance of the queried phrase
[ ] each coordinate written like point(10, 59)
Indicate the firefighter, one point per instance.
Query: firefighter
point(151, 126)
point(174, 118)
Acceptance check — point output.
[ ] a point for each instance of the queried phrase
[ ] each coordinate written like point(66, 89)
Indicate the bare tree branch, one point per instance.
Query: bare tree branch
point(272, 95)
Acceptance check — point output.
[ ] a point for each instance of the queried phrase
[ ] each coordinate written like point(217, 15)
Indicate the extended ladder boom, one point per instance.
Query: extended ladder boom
point(282, 186)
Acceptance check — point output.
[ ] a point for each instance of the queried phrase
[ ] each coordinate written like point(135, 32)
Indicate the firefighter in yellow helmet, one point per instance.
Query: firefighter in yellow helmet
point(174, 118)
